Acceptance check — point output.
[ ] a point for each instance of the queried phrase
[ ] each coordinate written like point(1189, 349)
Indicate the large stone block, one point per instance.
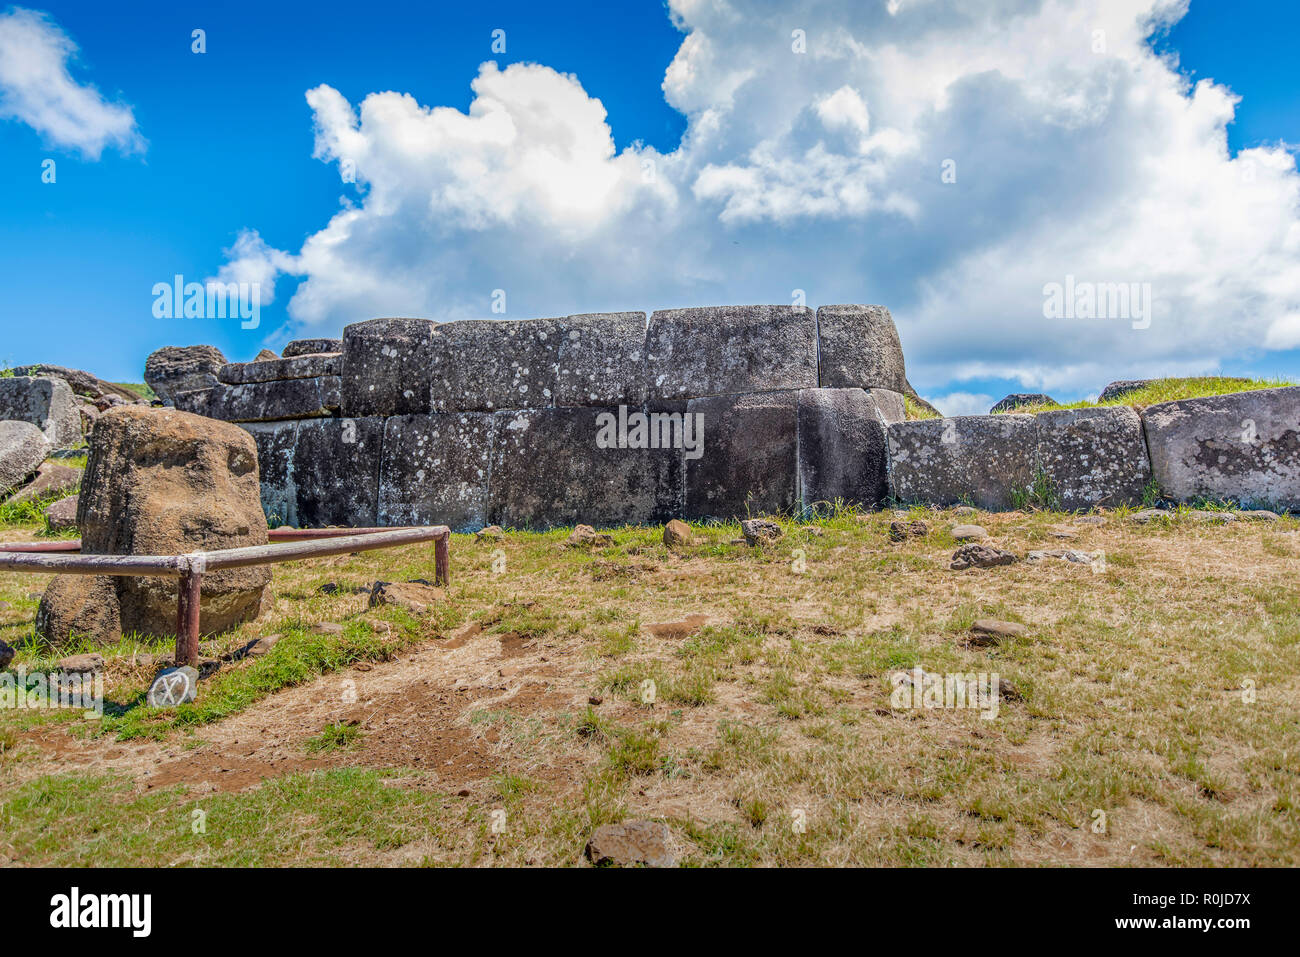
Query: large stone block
point(269, 370)
point(172, 370)
point(387, 367)
point(891, 405)
point(749, 463)
point(859, 348)
point(23, 447)
point(302, 347)
point(842, 453)
point(602, 360)
point(1094, 456)
point(277, 443)
point(724, 350)
point(266, 401)
point(975, 459)
point(46, 403)
point(435, 470)
point(336, 471)
point(1244, 446)
point(483, 365)
point(569, 466)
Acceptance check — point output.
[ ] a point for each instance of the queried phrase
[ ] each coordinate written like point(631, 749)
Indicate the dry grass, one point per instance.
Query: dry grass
point(1157, 721)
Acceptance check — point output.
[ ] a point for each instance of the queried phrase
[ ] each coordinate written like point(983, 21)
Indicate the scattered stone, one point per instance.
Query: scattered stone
point(305, 347)
point(965, 510)
point(1211, 517)
point(175, 369)
point(61, 516)
point(208, 667)
point(261, 646)
point(329, 588)
point(1065, 554)
point(990, 631)
point(1007, 691)
point(1062, 533)
point(6, 655)
point(968, 532)
point(327, 628)
point(595, 700)
point(1021, 399)
point(1148, 515)
point(84, 604)
point(414, 597)
point(584, 536)
point(23, 447)
point(81, 383)
point(51, 479)
point(82, 664)
point(900, 530)
point(491, 533)
point(632, 843)
point(677, 532)
point(678, 629)
point(173, 686)
point(760, 531)
point(44, 402)
point(1259, 515)
point(972, 555)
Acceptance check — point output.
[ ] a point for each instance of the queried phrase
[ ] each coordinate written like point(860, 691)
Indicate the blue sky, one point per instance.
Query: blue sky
point(222, 146)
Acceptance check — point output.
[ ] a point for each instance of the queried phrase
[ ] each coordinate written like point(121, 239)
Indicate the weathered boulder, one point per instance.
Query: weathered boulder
point(46, 403)
point(23, 447)
point(891, 405)
point(1121, 388)
point(564, 466)
point(1094, 456)
point(677, 532)
point(723, 350)
point(631, 843)
point(336, 471)
point(760, 531)
point(268, 370)
point(159, 482)
point(435, 470)
point(277, 444)
point(417, 598)
point(302, 347)
point(601, 360)
point(51, 479)
point(1020, 400)
point(974, 555)
point(977, 457)
point(61, 516)
point(841, 445)
point(265, 401)
point(80, 382)
point(901, 531)
point(81, 607)
point(387, 367)
point(749, 463)
point(175, 369)
point(859, 348)
point(1244, 446)
point(483, 365)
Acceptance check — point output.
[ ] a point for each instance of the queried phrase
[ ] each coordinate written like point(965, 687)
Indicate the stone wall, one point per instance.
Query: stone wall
point(697, 413)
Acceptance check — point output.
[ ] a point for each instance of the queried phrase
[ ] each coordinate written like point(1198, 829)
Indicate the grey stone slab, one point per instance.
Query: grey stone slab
point(266, 401)
point(387, 367)
point(172, 370)
point(277, 444)
point(336, 471)
point(302, 347)
point(602, 360)
point(1244, 446)
point(23, 447)
point(749, 464)
point(45, 402)
point(435, 470)
point(722, 350)
point(859, 347)
point(1094, 456)
point(298, 367)
point(570, 466)
point(891, 405)
point(842, 453)
point(972, 459)
point(484, 365)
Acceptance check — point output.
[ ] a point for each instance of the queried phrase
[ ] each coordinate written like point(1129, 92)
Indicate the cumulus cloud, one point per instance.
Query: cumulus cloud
point(948, 158)
point(37, 88)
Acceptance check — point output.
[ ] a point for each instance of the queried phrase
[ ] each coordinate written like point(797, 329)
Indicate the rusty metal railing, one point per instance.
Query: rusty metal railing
point(55, 558)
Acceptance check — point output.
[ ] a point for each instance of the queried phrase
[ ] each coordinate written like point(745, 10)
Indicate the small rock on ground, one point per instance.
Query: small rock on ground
point(677, 532)
point(62, 515)
point(1065, 554)
point(900, 530)
point(678, 629)
point(632, 843)
point(989, 631)
point(6, 655)
point(972, 555)
point(584, 536)
point(760, 531)
point(491, 532)
point(173, 686)
point(969, 532)
point(418, 598)
point(82, 663)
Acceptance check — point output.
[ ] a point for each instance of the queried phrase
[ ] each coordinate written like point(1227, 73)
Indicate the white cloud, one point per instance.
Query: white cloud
point(1076, 151)
point(962, 403)
point(37, 89)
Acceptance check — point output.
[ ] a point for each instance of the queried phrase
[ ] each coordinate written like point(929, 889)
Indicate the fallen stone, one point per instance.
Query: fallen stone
point(492, 533)
point(1259, 515)
point(266, 401)
point(1094, 456)
point(46, 403)
point(750, 456)
point(841, 448)
point(859, 348)
point(82, 664)
point(23, 447)
point(416, 598)
point(6, 655)
point(304, 347)
point(387, 367)
point(83, 605)
point(1020, 400)
point(61, 516)
point(435, 469)
point(631, 843)
point(1090, 520)
point(584, 536)
point(968, 532)
point(261, 646)
point(965, 510)
point(51, 479)
point(719, 350)
point(1147, 515)
point(760, 531)
point(80, 382)
point(1243, 447)
point(980, 458)
point(1073, 555)
point(677, 532)
point(89, 414)
point(987, 631)
point(901, 531)
point(972, 555)
point(678, 629)
point(1211, 517)
point(1121, 388)
point(175, 369)
point(332, 628)
point(173, 686)
point(274, 367)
